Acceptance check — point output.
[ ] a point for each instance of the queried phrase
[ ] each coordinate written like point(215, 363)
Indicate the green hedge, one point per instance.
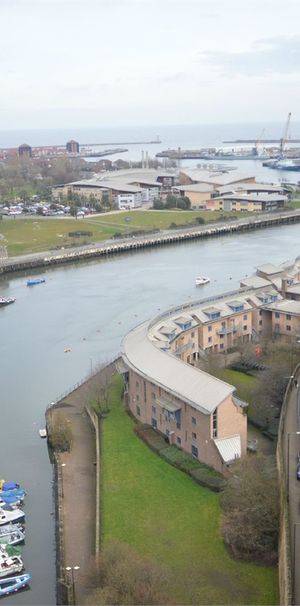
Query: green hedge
point(201, 473)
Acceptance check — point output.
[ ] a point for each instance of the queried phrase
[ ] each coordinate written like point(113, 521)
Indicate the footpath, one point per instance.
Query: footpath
point(76, 494)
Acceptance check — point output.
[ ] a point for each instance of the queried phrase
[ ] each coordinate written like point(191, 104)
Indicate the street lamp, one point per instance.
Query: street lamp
point(72, 569)
point(290, 433)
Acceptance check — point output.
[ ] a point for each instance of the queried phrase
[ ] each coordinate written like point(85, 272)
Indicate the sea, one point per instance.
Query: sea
point(136, 140)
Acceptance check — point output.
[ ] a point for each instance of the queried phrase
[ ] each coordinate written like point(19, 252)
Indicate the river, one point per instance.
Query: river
point(88, 308)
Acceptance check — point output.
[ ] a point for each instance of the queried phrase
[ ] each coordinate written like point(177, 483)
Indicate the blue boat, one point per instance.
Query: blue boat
point(34, 281)
point(8, 485)
point(14, 584)
point(19, 493)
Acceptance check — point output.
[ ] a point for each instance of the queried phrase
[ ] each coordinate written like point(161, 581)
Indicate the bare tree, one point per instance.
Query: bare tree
point(250, 504)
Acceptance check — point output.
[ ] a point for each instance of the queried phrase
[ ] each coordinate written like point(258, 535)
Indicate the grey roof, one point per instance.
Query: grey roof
point(256, 198)
point(262, 187)
point(229, 448)
point(197, 187)
point(189, 384)
point(255, 282)
point(215, 178)
point(285, 306)
point(269, 268)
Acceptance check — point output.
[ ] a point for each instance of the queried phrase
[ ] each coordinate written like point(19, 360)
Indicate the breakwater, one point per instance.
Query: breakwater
point(92, 251)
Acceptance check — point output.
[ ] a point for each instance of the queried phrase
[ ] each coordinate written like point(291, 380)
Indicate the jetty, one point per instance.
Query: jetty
point(127, 245)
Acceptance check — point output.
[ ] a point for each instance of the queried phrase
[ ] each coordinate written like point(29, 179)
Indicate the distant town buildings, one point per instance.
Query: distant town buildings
point(72, 147)
point(25, 151)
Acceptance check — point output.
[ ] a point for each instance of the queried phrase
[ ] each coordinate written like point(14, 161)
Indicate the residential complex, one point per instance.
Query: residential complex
point(164, 385)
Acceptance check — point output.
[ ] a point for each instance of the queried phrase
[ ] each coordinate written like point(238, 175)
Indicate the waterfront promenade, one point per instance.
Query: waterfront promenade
point(77, 492)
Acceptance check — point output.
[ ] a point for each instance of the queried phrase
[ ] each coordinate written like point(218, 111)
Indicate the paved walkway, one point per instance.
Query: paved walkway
point(78, 472)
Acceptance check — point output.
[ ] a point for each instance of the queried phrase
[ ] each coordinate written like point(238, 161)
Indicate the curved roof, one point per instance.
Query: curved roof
point(182, 380)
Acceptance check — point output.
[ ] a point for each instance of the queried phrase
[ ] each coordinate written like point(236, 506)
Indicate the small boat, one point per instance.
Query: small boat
point(19, 493)
point(34, 281)
point(14, 584)
point(8, 485)
point(11, 502)
point(12, 534)
point(10, 560)
point(7, 517)
point(6, 300)
point(43, 433)
point(10, 565)
point(200, 280)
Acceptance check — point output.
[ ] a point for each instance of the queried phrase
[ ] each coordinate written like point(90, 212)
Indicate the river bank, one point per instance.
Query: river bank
point(84, 253)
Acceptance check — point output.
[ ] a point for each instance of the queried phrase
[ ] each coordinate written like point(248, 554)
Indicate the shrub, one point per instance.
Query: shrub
point(78, 234)
point(61, 437)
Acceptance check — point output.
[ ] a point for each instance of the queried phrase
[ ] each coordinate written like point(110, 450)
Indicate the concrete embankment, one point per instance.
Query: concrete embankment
point(106, 249)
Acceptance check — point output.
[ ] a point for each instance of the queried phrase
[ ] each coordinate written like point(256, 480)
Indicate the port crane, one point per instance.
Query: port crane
point(258, 141)
point(284, 137)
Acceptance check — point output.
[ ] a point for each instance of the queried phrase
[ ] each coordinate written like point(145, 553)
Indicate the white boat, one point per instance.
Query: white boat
point(43, 433)
point(7, 517)
point(12, 534)
point(200, 280)
point(10, 565)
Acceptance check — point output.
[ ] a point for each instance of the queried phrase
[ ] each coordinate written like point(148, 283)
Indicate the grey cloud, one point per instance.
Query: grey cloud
point(278, 55)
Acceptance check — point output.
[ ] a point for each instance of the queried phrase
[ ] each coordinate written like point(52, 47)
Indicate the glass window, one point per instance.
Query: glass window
point(209, 339)
point(154, 410)
point(138, 411)
point(277, 314)
point(215, 423)
point(194, 436)
point(288, 316)
point(195, 451)
point(209, 328)
point(245, 327)
point(288, 327)
point(194, 421)
point(245, 317)
point(178, 440)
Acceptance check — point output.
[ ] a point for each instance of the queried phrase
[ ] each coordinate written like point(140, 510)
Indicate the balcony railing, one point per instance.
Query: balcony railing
point(227, 330)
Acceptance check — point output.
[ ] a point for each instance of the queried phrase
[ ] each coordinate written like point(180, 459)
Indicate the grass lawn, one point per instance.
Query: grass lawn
point(167, 517)
point(36, 234)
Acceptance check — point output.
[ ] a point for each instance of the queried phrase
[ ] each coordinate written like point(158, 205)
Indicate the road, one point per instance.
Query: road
point(291, 447)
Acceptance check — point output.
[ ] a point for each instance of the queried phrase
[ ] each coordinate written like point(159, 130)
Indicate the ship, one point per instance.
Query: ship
point(212, 154)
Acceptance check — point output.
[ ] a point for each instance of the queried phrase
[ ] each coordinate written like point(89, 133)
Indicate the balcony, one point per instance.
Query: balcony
point(184, 348)
point(227, 330)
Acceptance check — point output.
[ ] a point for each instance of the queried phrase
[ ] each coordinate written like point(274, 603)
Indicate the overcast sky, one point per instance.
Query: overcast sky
point(134, 62)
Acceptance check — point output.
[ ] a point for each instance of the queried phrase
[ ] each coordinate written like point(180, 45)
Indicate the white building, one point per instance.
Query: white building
point(128, 201)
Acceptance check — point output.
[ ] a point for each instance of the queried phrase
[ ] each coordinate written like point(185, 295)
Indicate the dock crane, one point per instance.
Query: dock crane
point(284, 137)
point(258, 141)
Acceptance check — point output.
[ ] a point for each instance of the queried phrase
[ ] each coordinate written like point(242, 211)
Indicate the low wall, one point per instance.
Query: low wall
point(285, 562)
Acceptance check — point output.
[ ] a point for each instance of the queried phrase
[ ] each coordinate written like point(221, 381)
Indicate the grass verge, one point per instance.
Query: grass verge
point(167, 517)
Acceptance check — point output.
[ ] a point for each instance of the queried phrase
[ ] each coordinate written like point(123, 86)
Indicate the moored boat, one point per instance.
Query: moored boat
point(7, 517)
point(12, 534)
point(8, 485)
point(10, 565)
point(200, 280)
point(34, 281)
point(6, 300)
point(14, 584)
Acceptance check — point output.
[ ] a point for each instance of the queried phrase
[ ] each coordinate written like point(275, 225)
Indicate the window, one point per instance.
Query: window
point(209, 339)
point(178, 440)
point(276, 327)
point(137, 384)
point(245, 317)
point(137, 397)
point(223, 324)
point(222, 346)
point(245, 327)
point(153, 396)
point(288, 316)
point(277, 314)
point(221, 336)
point(154, 410)
point(154, 423)
point(260, 322)
point(192, 334)
point(288, 327)
point(145, 392)
point(209, 328)
point(195, 451)
point(260, 312)
point(194, 421)
point(215, 423)
point(194, 436)
point(138, 411)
